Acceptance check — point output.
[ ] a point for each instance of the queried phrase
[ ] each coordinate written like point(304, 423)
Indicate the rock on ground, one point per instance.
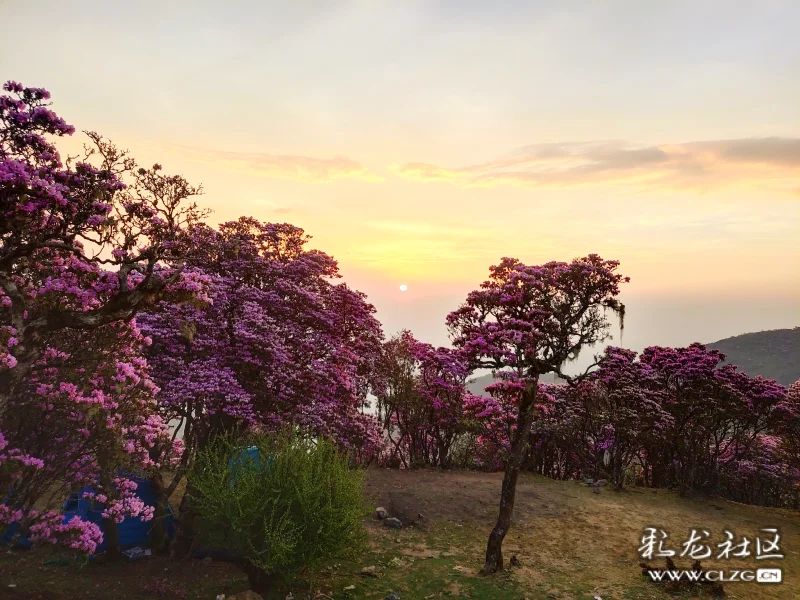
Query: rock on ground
point(392, 522)
point(246, 595)
point(370, 571)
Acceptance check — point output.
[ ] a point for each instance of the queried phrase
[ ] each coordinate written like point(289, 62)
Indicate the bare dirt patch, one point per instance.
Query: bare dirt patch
point(462, 497)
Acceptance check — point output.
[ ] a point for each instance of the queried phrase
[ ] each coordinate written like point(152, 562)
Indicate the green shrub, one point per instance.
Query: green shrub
point(283, 515)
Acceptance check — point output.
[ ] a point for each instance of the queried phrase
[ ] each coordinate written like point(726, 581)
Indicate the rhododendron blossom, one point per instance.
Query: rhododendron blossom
point(85, 245)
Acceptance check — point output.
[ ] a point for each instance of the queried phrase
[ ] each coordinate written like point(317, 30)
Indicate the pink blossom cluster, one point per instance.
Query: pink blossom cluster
point(126, 503)
point(48, 527)
point(76, 533)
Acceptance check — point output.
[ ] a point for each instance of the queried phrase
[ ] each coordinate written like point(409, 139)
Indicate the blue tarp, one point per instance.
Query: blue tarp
point(11, 531)
point(247, 458)
point(132, 531)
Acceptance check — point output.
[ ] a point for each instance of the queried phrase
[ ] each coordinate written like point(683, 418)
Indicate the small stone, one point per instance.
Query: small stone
point(392, 596)
point(371, 571)
point(381, 512)
point(392, 522)
point(349, 588)
point(207, 561)
point(247, 595)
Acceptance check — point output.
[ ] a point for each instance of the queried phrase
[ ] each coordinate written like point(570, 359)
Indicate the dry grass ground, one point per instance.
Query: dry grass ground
point(571, 543)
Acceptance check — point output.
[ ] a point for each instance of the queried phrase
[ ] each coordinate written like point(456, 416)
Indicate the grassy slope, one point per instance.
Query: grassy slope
point(572, 545)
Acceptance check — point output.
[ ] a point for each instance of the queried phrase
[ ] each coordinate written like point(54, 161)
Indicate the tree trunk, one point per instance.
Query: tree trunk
point(619, 472)
point(519, 447)
point(111, 538)
point(159, 541)
point(110, 528)
point(186, 527)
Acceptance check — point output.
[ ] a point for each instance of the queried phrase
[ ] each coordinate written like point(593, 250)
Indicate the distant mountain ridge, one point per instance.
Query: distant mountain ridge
point(773, 354)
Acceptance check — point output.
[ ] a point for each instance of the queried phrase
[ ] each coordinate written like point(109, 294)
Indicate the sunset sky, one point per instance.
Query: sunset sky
point(419, 141)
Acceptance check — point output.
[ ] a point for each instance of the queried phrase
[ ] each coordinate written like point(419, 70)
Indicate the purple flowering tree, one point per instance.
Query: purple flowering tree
point(719, 416)
point(625, 409)
point(494, 419)
point(788, 428)
point(420, 401)
point(80, 253)
point(530, 320)
point(278, 344)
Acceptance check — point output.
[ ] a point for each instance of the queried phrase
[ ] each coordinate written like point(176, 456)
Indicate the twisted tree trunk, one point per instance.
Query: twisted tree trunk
point(519, 447)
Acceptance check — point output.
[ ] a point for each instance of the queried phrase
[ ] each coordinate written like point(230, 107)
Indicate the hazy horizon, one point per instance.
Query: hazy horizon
point(420, 142)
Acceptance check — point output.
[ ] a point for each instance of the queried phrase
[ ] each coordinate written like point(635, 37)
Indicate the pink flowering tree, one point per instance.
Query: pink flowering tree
point(493, 418)
point(399, 405)
point(421, 401)
point(674, 417)
point(278, 344)
point(624, 408)
point(80, 248)
point(81, 252)
point(578, 429)
point(788, 413)
point(564, 443)
point(530, 320)
point(442, 387)
point(717, 416)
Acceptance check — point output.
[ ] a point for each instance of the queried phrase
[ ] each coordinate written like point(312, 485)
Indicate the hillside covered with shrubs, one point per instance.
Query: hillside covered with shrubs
point(772, 354)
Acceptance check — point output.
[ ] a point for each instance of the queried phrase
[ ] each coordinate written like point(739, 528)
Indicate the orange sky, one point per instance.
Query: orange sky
point(421, 141)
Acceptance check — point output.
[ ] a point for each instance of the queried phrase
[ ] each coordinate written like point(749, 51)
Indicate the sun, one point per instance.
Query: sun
point(403, 287)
